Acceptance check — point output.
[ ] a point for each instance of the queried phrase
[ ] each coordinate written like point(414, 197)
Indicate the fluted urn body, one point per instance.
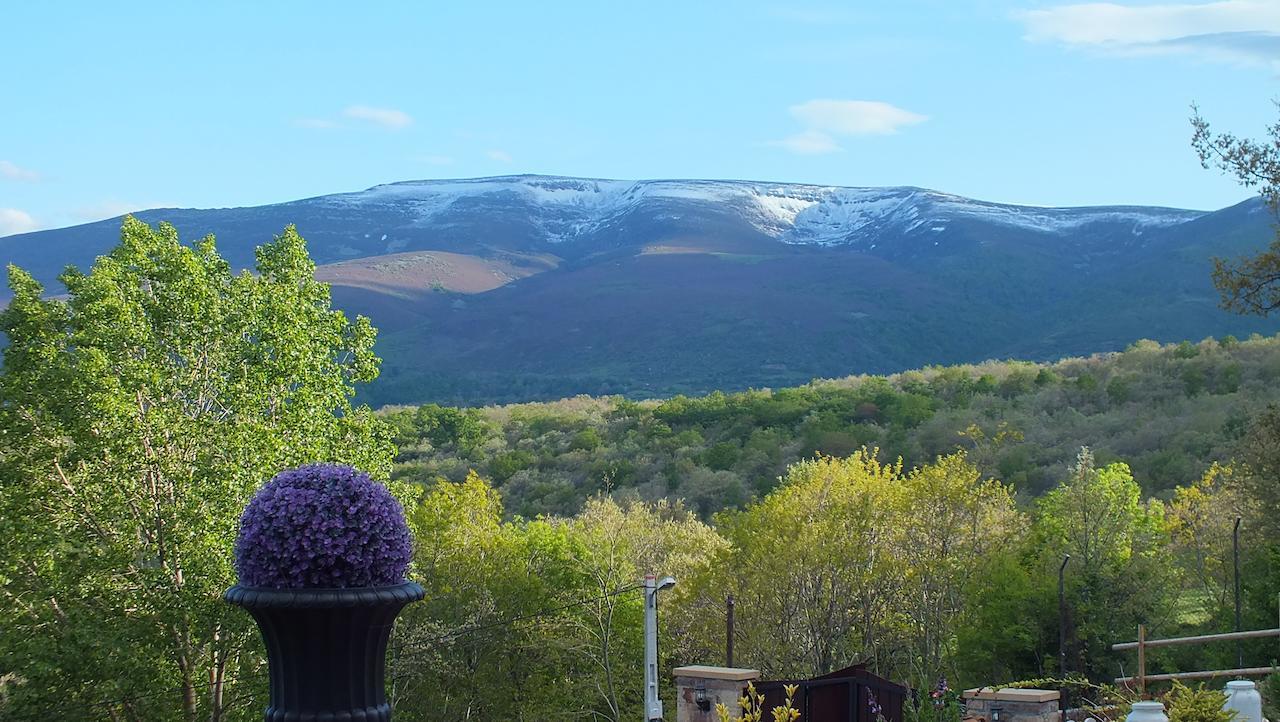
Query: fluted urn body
point(326, 648)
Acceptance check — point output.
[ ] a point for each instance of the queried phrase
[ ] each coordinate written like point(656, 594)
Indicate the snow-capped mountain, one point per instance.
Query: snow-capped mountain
point(575, 217)
point(567, 210)
point(522, 287)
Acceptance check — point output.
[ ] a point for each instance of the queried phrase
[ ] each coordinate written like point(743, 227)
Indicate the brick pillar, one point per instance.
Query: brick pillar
point(722, 685)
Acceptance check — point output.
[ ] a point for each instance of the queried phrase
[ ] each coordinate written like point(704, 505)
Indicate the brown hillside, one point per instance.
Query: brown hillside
point(419, 273)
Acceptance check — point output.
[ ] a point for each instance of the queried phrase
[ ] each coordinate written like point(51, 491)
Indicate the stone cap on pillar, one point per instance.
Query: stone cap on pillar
point(1012, 694)
point(729, 674)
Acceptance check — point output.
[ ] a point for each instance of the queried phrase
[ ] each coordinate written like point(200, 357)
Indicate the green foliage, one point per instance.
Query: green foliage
point(137, 416)
point(574, 650)
point(1196, 704)
point(1270, 690)
point(1119, 577)
point(1169, 412)
point(1185, 350)
point(852, 559)
point(947, 707)
point(752, 705)
point(1248, 284)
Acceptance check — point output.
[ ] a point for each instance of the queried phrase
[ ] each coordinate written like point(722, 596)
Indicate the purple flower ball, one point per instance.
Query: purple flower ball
point(322, 526)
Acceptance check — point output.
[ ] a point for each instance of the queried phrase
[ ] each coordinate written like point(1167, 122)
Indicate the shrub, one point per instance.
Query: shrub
point(752, 705)
point(322, 526)
point(1198, 704)
point(1270, 689)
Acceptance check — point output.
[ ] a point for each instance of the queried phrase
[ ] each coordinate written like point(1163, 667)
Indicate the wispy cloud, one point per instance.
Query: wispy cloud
point(824, 120)
point(1235, 31)
point(317, 123)
point(499, 155)
point(384, 117)
point(14, 221)
point(854, 117)
point(13, 171)
point(809, 142)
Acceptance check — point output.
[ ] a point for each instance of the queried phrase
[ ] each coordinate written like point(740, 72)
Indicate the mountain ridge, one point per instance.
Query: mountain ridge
point(513, 288)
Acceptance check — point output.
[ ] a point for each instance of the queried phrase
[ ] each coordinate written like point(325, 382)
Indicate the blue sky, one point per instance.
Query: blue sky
point(110, 107)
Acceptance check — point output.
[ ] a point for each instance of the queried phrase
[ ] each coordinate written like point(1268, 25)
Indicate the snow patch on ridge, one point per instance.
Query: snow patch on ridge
point(567, 209)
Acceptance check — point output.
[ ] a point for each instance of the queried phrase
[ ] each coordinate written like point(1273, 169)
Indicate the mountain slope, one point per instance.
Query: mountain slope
point(511, 288)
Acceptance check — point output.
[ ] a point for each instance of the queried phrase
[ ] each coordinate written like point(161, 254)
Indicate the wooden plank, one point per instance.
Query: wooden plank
point(1252, 634)
point(1245, 672)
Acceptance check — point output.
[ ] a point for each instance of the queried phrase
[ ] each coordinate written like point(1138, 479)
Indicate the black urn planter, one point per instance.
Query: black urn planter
point(327, 648)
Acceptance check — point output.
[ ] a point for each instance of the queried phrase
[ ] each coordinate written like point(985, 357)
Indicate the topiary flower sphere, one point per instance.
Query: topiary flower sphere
point(322, 526)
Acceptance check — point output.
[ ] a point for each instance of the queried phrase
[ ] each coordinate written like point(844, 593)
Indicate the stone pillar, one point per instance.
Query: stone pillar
point(713, 685)
point(1012, 705)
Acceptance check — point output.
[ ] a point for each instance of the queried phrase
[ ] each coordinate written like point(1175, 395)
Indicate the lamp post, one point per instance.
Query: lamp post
point(1062, 630)
point(728, 631)
point(652, 585)
point(1062, 617)
point(1235, 557)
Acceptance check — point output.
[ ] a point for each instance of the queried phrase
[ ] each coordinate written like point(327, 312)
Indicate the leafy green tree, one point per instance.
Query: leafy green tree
point(625, 541)
point(1201, 520)
point(541, 619)
point(1258, 456)
point(137, 416)
point(821, 574)
point(1119, 576)
point(493, 639)
point(951, 521)
point(851, 559)
point(1008, 628)
point(1250, 284)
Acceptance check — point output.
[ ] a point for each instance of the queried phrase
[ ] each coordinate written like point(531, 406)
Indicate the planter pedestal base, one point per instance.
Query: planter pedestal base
point(327, 648)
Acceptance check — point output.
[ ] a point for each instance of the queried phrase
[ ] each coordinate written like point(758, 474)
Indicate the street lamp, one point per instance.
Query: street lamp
point(652, 585)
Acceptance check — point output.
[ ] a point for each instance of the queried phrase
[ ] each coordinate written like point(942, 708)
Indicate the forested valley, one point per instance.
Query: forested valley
point(917, 521)
point(1169, 412)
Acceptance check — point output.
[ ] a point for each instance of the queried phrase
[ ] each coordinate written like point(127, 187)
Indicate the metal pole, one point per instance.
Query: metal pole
point(728, 631)
point(1235, 554)
point(1142, 660)
point(652, 705)
point(652, 585)
point(1062, 617)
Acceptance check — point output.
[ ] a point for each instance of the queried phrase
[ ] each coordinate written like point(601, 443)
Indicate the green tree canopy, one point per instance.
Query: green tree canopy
point(1118, 574)
point(137, 416)
point(1250, 284)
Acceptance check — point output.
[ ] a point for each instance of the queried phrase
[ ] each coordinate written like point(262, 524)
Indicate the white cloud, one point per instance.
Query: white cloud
point(809, 142)
point(499, 155)
point(316, 123)
point(854, 117)
point(825, 119)
point(14, 221)
point(1244, 31)
point(385, 117)
point(13, 171)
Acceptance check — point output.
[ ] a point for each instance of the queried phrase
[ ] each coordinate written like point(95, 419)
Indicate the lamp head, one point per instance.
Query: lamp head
point(666, 583)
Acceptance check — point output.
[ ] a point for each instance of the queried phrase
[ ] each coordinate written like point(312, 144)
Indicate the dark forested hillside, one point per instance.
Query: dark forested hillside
point(1169, 411)
point(511, 289)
